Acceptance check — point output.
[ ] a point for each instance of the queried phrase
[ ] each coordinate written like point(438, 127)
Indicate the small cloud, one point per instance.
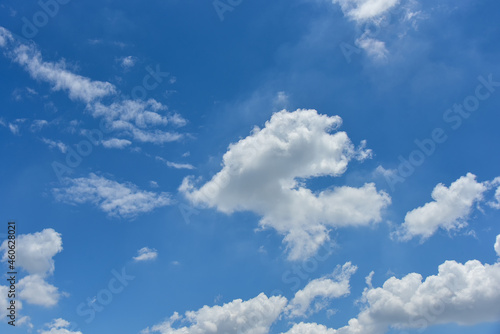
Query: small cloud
point(14, 128)
point(179, 166)
point(174, 164)
point(127, 62)
point(116, 143)
point(176, 263)
point(146, 254)
point(38, 124)
point(281, 100)
point(375, 48)
point(56, 144)
point(153, 184)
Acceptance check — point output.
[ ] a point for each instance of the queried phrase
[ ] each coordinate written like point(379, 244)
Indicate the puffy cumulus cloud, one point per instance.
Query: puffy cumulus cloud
point(58, 326)
point(464, 294)
point(146, 254)
point(116, 199)
point(360, 10)
point(35, 252)
point(35, 290)
point(497, 245)
point(310, 328)
point(449, 210)
point(264, 173)
point(78, 87)
point(116, 143)
point(254, 316)
point(325, 288)
point(136, 117)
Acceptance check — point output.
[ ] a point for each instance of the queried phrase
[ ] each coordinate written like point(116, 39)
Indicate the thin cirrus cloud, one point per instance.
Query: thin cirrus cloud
point(137, 119)
point(449, 209)
point(55, 144)
point(77, 86)
point(116, 199)
point(464, 294)
point(262, 173)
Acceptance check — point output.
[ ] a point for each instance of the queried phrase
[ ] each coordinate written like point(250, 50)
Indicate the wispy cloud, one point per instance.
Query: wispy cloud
point(116, 199)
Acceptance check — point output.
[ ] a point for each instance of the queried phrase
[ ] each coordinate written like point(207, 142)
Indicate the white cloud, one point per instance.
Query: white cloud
point(38, 124)
point(116, 199)
point(497, 245)
point(464, 294)
point(55, 144)
point(311, 328)
point(128, 62)
point(496, 204)
point(25, 321)
point(116, 143)
point(35, 290)
point(56, 74)
point(146, 254)
point(254, 316)
point(263, 173)
point(5, 302)
point(14, 128)
point(174, 164)
point(325, 288)
point(35, 251)
point(134, 117)
point(58, 326)
point(373, 47)
point(449, 210)
point(179, 166)
point(360, 10)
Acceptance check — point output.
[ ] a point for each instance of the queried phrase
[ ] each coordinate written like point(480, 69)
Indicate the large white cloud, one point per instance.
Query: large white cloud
point(254, 316)
point(449, 210)
point(35, 290)
point(264, 173)
point(35, 252)
point(464, 294)
point(360, 10)
point(116, 199)
point(328, 287)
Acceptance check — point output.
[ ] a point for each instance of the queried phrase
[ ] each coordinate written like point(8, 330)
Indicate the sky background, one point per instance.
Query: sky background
point(119, 120)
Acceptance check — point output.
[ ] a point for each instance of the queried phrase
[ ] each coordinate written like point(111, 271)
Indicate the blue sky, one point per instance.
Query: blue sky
point(304, 166)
